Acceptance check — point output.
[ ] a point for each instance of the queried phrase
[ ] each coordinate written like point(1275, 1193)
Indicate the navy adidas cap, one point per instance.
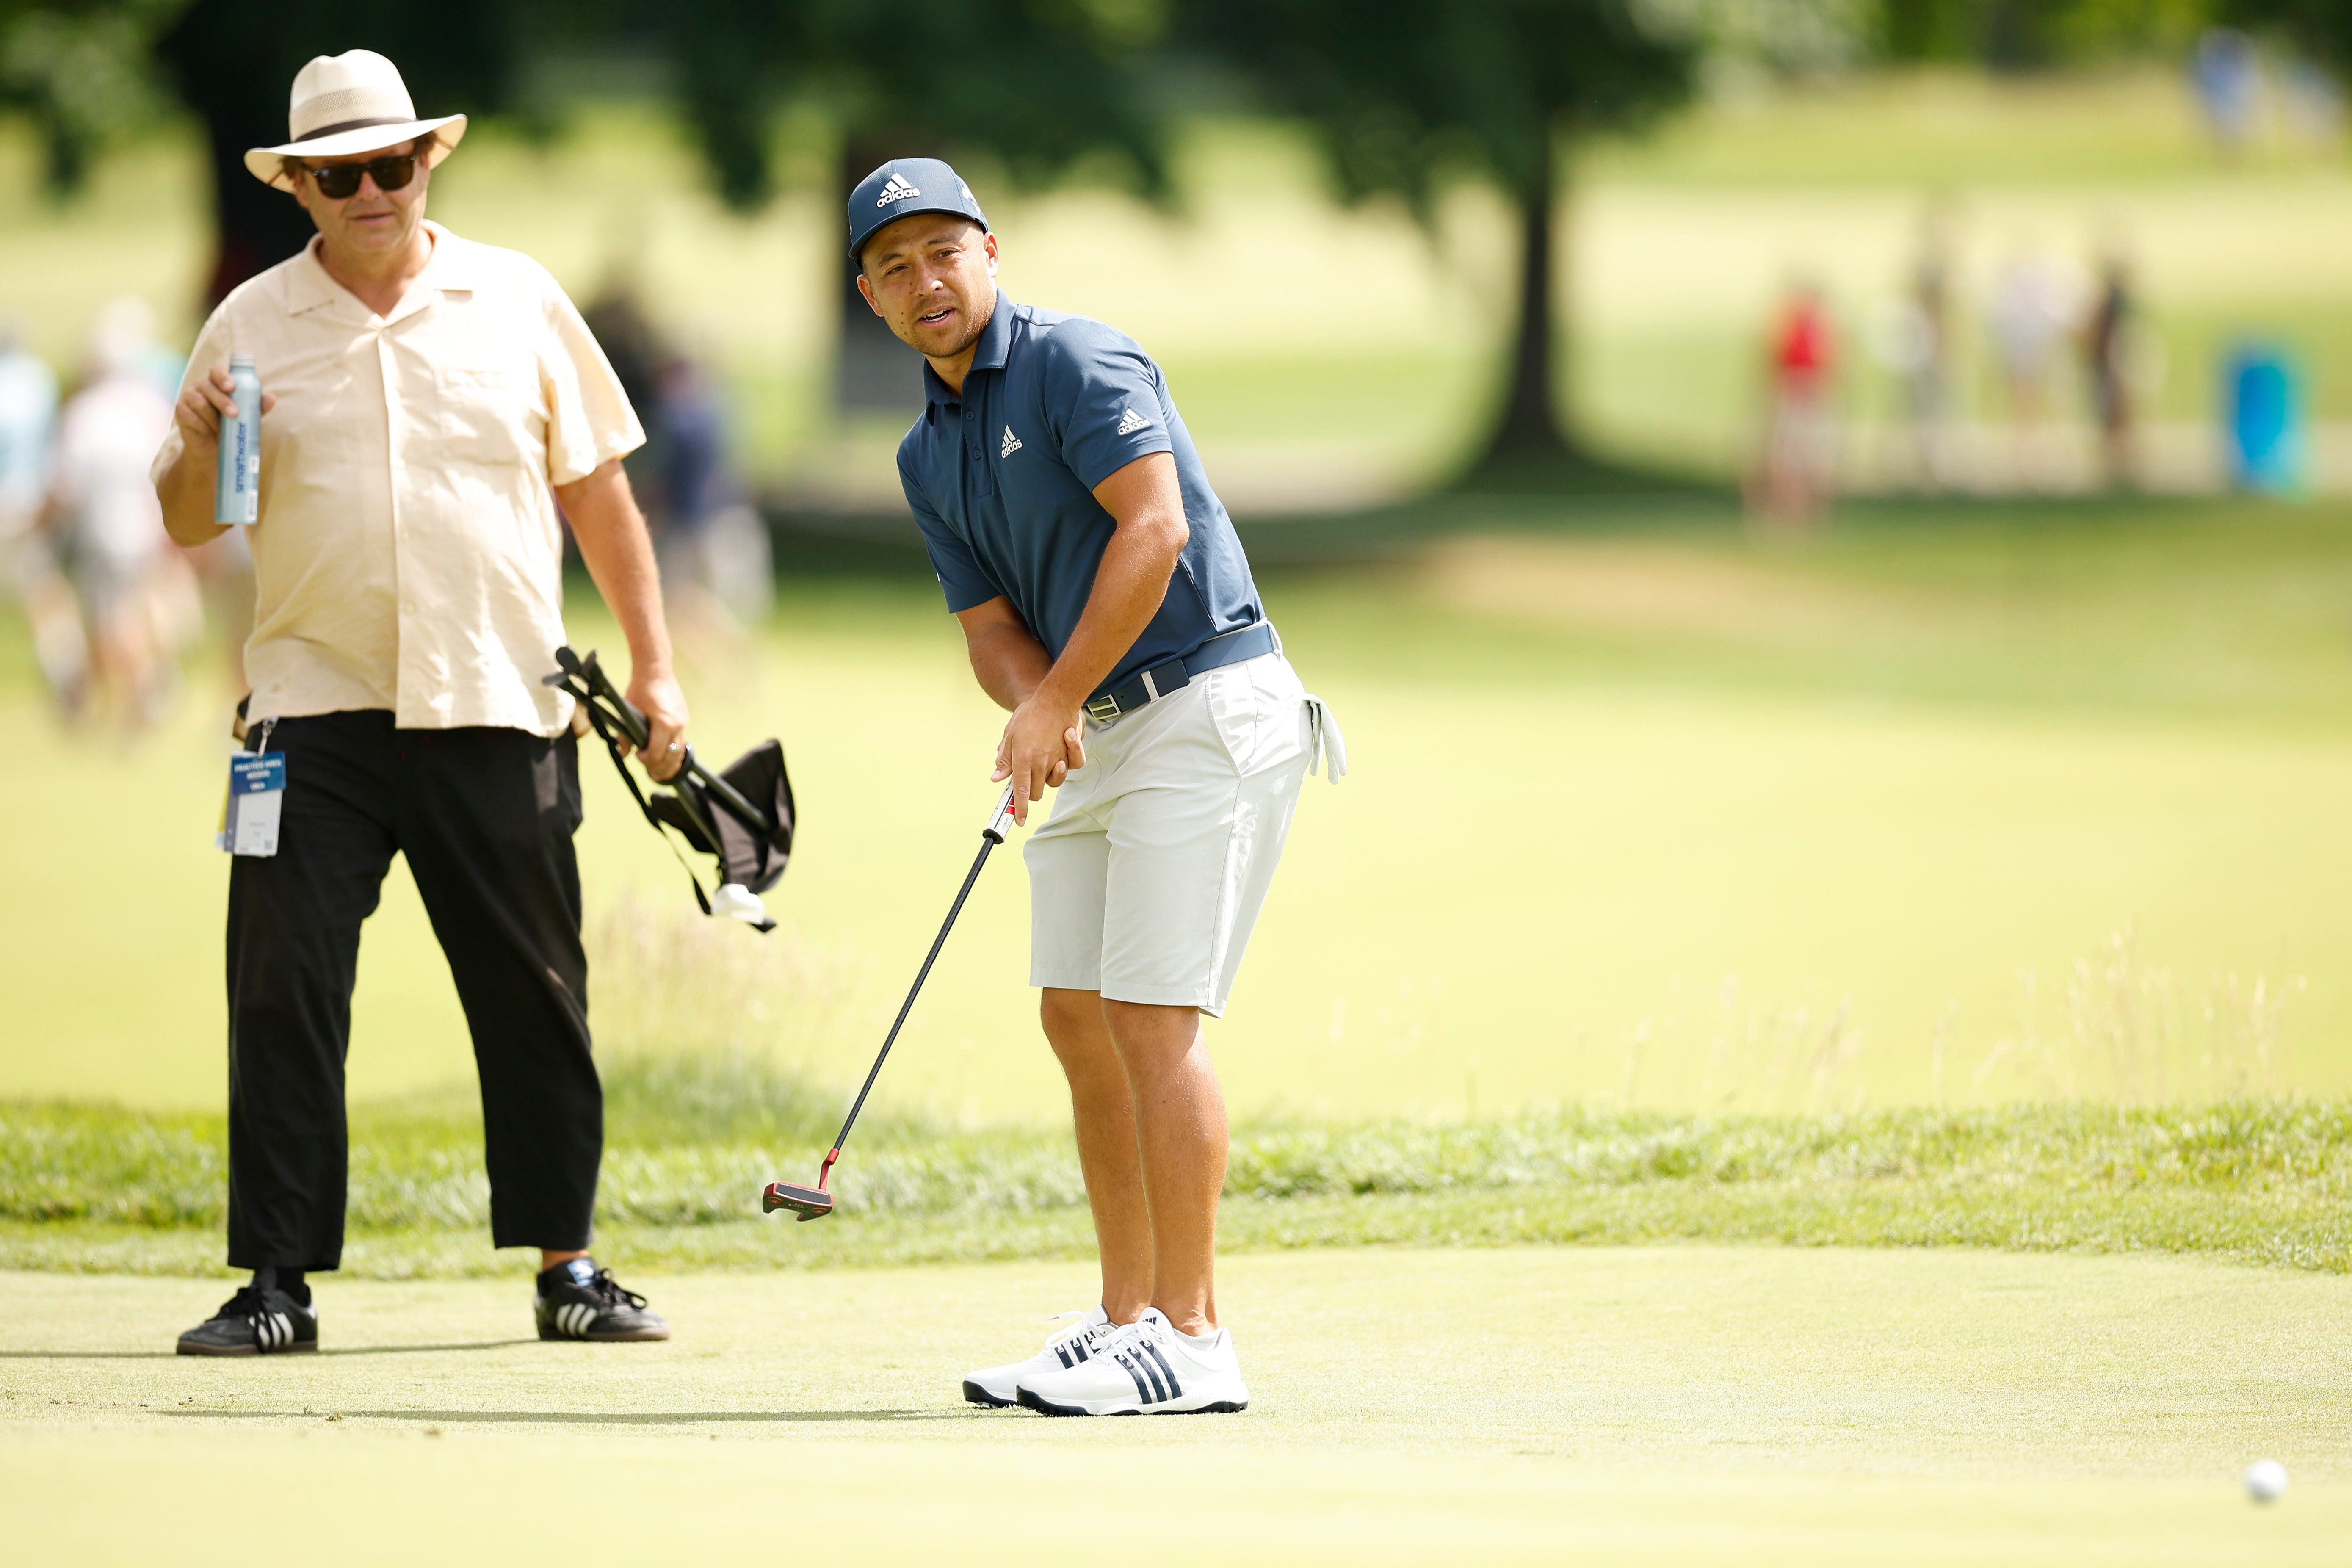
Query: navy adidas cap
point(905, 185)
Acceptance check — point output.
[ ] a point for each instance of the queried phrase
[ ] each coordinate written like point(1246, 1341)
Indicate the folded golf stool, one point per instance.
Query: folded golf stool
point(742, 815)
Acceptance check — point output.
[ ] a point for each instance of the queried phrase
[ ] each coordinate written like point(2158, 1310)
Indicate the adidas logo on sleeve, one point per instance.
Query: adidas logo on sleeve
point(1131, 422)
point(1012, 444)
point(898, 190)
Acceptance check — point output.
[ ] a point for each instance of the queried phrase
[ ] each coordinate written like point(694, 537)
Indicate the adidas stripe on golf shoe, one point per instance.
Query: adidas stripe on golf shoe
point(255, 1322)
point(578, 1300)
point(1072, 1342)
point(1144, 1369)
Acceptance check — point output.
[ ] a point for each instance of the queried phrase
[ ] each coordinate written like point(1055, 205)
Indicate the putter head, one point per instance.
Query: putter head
point(808, 1203)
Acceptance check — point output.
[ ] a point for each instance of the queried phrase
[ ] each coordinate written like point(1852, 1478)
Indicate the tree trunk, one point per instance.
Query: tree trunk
point(1530, 425)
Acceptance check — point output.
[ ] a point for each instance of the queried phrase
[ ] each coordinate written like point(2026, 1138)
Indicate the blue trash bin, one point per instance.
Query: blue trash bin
point(2262, 402)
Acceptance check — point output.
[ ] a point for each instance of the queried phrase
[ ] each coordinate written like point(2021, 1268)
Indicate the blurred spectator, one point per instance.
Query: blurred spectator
point(2262, 401)
point(137, 597)
point(2314, 104)
point(28, 409)
point(635, 351)
point(1914, 340)
point(28, 413)
point(224, 569)
point(630, 344)
point(2228, 75)
point(1791, 491)
point(716, 574)
point(2109, 345)
point(2036, 302)
point(713, 540)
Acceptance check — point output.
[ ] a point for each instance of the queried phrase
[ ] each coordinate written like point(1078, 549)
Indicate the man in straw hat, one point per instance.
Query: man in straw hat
point(428, 401)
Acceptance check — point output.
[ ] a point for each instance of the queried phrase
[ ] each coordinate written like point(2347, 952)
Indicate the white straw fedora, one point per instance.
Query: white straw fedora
point(346, 103)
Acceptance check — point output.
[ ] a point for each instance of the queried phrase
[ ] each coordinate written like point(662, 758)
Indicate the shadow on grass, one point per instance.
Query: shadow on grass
point(343, 1351)
point(587, 1417)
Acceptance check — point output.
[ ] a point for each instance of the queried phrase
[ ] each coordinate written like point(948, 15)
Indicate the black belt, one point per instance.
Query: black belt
point(1250, 642)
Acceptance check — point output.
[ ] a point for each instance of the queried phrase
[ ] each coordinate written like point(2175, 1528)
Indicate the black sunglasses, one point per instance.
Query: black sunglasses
point(338, 181)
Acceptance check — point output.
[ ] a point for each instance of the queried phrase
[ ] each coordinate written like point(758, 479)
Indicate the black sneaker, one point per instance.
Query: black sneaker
point(578, 1300)
point(257, 1321)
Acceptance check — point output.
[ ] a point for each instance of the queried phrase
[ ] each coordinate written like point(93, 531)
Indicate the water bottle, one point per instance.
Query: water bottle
point(236, 497)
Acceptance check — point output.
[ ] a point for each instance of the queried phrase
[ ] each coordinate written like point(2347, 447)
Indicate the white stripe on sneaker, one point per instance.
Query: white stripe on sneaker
point(1175, 1389)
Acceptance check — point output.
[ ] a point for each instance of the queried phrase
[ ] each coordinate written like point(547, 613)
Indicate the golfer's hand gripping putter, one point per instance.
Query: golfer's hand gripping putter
point(816, 1202)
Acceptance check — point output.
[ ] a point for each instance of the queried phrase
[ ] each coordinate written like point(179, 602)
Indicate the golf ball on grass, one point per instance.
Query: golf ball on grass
point(2265, 1481)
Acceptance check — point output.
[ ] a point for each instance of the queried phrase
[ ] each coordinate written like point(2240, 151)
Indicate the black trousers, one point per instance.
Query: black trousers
point(486, 818)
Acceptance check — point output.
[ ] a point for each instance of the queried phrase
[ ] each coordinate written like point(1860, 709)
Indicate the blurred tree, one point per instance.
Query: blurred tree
point(82, 70)
point(1037, 87)
point(2323, 28)
point(1428, 91)
point(2013, 34)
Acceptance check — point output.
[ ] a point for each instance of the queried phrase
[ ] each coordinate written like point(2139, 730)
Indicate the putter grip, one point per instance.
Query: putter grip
point(994, 831)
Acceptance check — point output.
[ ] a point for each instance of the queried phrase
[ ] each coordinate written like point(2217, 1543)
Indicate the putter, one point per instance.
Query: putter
point(816, 1202)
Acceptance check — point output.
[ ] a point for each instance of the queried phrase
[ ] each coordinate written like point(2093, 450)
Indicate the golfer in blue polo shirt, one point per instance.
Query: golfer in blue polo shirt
point(1106, 602)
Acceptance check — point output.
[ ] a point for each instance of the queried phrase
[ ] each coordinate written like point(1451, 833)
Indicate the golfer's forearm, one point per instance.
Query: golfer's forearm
point(1008, 662)
point(619, 555)
point(187, 501)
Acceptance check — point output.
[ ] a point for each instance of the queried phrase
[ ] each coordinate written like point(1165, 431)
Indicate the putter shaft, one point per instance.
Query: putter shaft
point(813, 1203)
point(989, 839)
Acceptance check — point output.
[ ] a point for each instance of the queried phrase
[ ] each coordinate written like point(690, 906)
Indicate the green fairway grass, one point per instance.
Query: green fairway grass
point(1668, 1405)
point(1962, 807)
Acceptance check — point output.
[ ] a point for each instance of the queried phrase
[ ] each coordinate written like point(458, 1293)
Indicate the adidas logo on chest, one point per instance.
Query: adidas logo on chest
point(1010, 444)
point(896, 190)
point(1131, 422)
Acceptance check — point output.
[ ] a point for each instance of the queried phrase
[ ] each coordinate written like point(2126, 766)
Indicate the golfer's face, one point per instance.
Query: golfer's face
point(371, 219)
point(932, 276)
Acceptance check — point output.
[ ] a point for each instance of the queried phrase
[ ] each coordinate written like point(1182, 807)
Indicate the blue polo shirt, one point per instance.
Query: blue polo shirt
point(1002, 483)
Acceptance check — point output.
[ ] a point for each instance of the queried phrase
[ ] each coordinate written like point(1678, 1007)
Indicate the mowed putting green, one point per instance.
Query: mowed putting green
point(1657, 1406)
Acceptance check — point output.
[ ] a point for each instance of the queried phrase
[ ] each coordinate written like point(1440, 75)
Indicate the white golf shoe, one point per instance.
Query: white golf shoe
point(1068, 1345)
point(1144, 1369)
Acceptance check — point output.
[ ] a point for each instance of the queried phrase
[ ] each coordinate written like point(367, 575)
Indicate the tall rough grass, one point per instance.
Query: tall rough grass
point(2125, 1147)
point(60, 1162)
point(2112, 1029)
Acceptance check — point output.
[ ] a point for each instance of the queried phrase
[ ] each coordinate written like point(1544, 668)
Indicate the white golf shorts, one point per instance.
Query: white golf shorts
point(1146, 880)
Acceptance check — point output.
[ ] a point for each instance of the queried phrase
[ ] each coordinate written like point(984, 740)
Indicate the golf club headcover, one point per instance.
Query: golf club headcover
point(745, 855)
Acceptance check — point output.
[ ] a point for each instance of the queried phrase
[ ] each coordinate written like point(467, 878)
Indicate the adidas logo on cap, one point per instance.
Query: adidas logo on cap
point(1011, 442)
point(898, 190)
point(1131, 421)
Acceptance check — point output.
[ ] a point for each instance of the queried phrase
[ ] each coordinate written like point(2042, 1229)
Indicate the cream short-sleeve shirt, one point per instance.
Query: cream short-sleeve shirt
point(408, 554)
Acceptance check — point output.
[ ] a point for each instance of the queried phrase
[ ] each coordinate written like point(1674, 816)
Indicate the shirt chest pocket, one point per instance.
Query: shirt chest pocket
point(488, 413)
